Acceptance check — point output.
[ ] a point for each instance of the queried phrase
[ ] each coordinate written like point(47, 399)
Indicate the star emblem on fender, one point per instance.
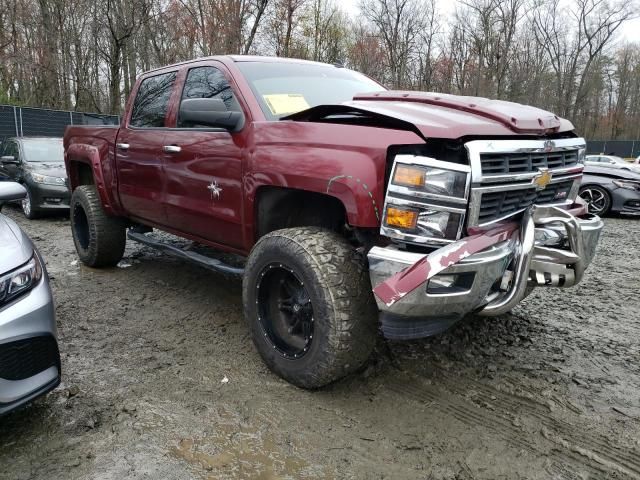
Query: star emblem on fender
point(215, 190)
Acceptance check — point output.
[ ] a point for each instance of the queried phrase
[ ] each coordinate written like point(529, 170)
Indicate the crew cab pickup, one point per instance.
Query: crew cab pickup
point(355, 209)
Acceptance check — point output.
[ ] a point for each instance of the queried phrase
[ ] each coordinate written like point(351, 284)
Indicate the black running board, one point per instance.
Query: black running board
point(192, 257)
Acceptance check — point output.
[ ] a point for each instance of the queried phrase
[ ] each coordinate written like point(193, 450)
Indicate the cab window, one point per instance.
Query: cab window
point(208, 82)
point(152, 101)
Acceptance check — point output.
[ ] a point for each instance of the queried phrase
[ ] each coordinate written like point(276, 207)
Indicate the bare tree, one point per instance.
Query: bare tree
point(399, 24)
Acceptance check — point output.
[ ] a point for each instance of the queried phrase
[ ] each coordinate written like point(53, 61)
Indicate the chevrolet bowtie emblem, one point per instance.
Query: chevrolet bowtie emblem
point(542, 179)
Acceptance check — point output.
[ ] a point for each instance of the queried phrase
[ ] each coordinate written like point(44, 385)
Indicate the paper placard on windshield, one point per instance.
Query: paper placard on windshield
point(285, 103)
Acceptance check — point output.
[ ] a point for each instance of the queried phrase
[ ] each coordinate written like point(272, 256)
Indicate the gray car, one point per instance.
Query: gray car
point(29, 357)
point(609, 190)
point(38, 164)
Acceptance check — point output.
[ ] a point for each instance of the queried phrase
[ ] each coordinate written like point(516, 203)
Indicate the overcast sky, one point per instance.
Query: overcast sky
point(630, 31)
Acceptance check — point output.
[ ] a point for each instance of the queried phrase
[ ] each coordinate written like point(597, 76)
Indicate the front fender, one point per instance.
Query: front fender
point(345, 162)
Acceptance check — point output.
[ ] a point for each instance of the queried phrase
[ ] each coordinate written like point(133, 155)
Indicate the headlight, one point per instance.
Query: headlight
point(423, 222)
point(47, 180)
point(628, 184)
point(438, 181)
point(426, 200)
point(20, 280)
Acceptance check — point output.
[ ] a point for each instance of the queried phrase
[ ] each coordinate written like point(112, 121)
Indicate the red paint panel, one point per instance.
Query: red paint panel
point(346, 162)
point(141, 175)
point(203, 185)
point(93, 146)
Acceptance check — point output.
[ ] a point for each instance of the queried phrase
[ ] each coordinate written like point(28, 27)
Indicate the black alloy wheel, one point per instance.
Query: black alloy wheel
point(285, 311)
point(597, 198)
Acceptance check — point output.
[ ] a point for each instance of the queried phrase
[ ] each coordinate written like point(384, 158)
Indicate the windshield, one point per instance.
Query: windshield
point(48, 150)
point(618, 160)
point(286, 88)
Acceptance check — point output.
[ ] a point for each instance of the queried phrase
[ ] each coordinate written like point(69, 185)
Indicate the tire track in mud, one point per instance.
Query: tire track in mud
point(356, 451)
point(562, 432)
point(566, 444)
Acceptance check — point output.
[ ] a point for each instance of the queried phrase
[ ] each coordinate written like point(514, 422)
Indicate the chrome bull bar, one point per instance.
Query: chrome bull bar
point(541, 265)
point(488, 272)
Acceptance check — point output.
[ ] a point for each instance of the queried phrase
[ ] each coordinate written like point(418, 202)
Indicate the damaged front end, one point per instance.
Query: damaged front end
point(516, 202)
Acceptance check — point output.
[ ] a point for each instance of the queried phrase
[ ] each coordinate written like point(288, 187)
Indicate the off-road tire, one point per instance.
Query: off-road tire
point(99, 239)
point(344, 310)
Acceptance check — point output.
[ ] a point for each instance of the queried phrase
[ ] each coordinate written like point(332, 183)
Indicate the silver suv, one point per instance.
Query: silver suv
point(29, 358)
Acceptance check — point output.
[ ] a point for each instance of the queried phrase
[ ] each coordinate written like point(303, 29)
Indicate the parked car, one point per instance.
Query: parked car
point(611, 161)
point(29, 358)
point(607, 190)
point(38, 164)
point(357, 208)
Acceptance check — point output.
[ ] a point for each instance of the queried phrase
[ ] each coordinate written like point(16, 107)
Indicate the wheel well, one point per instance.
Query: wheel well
point(593, 184)
point(278, 208)
point(81, 174)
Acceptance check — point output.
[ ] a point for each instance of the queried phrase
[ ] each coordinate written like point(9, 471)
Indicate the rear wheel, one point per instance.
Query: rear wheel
point(309, 306)
point(99, 239)
point(597, 198)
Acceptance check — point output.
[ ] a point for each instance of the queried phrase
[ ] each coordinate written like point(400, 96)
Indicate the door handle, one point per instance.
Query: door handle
point(171, 149)
point(122, 146)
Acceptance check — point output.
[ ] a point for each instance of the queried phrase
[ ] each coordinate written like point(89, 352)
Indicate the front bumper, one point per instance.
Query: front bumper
point(28, 348)
point(49, 197)
point(419, 295)
point(625, 201)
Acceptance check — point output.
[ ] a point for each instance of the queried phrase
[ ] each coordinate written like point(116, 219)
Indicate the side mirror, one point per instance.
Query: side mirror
point(209, 112)
point(10, 191)
point(9, 159)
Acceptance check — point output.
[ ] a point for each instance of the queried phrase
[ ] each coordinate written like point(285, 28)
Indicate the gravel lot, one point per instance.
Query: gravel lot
point(551, 391)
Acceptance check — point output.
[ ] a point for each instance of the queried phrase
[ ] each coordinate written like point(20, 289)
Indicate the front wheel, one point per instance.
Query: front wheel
point(28, 208)
point(597, 198)
point(309, 306)
point(99, 239)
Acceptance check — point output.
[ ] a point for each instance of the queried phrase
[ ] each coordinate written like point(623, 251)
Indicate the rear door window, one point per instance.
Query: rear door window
point(152, 101)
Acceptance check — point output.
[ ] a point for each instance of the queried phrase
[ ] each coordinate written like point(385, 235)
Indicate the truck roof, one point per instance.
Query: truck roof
point(242, 58)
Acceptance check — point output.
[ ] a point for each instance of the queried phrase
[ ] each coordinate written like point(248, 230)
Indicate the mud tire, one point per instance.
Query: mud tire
point(99, 239)
point(344, 310)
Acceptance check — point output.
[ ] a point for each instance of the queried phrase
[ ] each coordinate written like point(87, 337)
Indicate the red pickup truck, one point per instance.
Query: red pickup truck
point(356, 209)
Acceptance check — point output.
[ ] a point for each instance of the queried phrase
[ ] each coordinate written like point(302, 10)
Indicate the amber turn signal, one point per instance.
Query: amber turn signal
point(409, 176)
point(398, 217)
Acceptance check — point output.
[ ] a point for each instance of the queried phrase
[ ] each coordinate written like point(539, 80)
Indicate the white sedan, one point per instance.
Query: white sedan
point(612, 161)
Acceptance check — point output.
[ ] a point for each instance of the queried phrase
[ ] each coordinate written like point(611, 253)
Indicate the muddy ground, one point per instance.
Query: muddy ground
point(161, 381)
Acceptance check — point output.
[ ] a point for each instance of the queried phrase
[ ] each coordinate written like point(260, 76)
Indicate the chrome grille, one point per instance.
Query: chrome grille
point(504, 172)
point(510, 163)
point(500, 204)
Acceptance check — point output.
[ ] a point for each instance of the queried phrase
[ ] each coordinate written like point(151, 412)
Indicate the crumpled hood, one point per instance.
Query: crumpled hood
point(445, 116)
point(50, 169)
point(15, 247)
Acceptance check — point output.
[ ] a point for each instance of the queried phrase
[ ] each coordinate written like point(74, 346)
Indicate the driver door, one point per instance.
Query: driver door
point(203, 166)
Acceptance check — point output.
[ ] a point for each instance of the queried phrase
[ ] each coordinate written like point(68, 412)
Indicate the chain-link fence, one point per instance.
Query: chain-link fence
point(29, 122)
point(621, 148)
